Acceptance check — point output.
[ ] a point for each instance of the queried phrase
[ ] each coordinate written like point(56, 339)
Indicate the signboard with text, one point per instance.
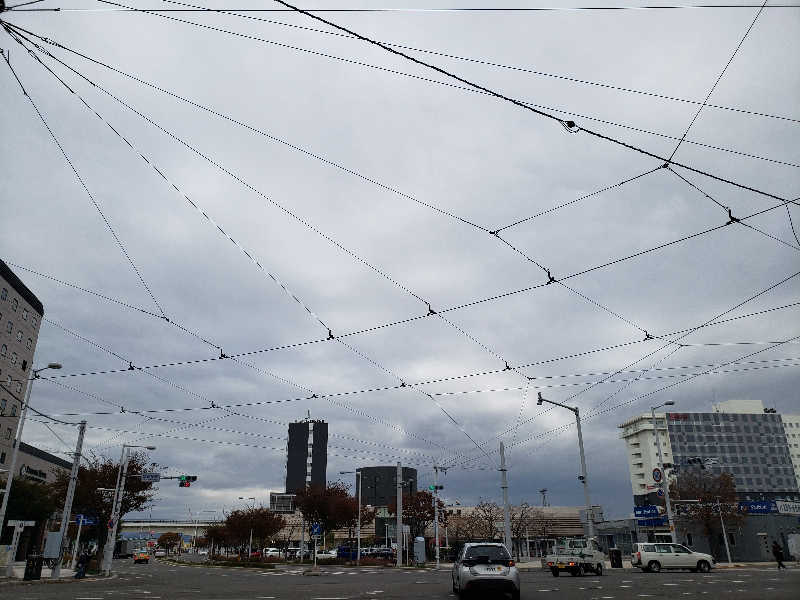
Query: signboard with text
point(787, 508)
point(645, 512)
point(760, 507)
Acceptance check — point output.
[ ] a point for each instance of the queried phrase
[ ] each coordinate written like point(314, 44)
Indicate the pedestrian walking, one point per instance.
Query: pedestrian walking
point(777, 552)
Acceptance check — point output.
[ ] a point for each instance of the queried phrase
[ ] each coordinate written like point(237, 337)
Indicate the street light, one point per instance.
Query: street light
point(664, 481)
point(16, 445)
point(582, 477)
point(358, 517)
point(116, 507)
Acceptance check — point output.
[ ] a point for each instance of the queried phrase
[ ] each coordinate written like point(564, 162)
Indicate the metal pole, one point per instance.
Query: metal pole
point(302, 537)
point(108, 551)
point(14, 451)
point(77, 545)
point(584, 478)
point(250, 544)
point(506, 510)
point(73, 481)
point(436, 510)
point(664, 481)
point(358, 521)
point(399, 532)
point(724, 535)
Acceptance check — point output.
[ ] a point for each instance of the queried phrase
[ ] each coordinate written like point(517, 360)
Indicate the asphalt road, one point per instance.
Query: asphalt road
point(158, 581)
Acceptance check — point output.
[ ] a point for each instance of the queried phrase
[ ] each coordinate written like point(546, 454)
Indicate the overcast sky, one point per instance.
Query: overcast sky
point(359, 255)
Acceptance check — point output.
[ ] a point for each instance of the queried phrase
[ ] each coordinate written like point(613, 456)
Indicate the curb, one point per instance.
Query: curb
point(48, 581)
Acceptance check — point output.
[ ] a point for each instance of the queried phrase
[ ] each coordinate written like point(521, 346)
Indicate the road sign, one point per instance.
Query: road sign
point(657, 474)
point(110, 523)
point(660, 493)
point(316, 529)
point(645, 512)
point(82, 520)
point(150, 477)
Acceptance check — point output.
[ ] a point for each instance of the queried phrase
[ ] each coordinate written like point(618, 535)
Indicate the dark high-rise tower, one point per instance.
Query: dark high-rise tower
point(306, 455)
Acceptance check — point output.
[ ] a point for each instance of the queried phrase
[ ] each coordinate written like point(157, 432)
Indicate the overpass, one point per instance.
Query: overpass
point(152, 528)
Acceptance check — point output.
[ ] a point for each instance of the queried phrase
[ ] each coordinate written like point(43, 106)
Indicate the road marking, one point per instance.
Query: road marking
point(671, 584)
point(265, 597)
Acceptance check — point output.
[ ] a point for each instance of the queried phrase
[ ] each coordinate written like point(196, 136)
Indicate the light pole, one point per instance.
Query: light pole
point(358, 516)
point(583, 476)
point(73, 482)
point(116, 507)
point(664, 480)
point(18, 440)
point(250, 543)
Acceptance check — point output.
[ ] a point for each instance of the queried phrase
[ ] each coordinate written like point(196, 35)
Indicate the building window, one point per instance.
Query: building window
point(4, 294)
point(3, 403)
point(2, 458)
point(24, 314)
point(33, 322)
point(13, 358)
point(24, 365)
point(14, 410)
point(10, 327)
point(3, 350)
point(8, 433)
point(19, 335)
point(15, 305)
point(29, 343)
point(19, 387)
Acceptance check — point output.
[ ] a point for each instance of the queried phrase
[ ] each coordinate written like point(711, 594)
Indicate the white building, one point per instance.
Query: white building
point(791, 424)
point(640, 442)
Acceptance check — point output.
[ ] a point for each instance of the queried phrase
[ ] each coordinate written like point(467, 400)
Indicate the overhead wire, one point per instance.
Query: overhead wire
point(719, 78)
point(287, 211)
point(570, 126)
point(86, 189)
point(432, 81)
point(516, 68)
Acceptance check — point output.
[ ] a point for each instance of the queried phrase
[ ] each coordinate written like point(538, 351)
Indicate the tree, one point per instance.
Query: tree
point(169, 540)
point(522, 521)
point(418, 512)
point(28, 501)
point(101, 472)
point(218, 536)
point(709, 489)
point(329, 506)
point(485, 517)
point(262, 522)
point(351, 507)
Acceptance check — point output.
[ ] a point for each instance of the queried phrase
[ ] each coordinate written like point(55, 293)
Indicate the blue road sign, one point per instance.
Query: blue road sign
point(659, 522)
point(762, 507)
point(82, 520)
point(657, 474)
point(316, 529)
point(660, 493)
point(647, 511)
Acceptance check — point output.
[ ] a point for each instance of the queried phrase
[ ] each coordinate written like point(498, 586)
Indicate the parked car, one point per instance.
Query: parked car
point(652, 558)
point(202, 552)
point(294, 553)
point(141, 556)
point(322, 554)
point(485, 567)
point(272, 553)
point(255, 554)
point(346, 552)
point(160, 552)
point(385, 553)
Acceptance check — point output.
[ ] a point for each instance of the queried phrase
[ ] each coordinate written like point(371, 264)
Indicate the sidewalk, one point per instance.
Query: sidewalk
point(19, 572)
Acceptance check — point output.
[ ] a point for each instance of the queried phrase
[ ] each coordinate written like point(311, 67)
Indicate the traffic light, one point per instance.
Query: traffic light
point(433, 488)
point(186, 480)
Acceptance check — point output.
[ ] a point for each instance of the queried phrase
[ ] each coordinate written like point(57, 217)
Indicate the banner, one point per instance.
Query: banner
point(647, 511)
point(788, 508)
point(761, 507)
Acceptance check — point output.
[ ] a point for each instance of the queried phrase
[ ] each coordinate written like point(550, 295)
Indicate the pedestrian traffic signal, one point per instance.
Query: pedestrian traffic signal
point(186, 480)
point(435, 487)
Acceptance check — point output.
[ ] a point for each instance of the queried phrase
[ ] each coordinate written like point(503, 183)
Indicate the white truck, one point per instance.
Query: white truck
point(576, 557)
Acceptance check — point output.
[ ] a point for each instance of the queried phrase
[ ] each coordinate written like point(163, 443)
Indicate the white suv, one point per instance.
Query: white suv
point(654, 557)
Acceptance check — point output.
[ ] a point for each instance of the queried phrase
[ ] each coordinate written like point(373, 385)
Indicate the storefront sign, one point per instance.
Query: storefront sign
point(788, 508)
point(762, 507)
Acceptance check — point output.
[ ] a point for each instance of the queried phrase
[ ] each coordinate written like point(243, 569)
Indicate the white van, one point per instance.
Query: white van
point(652, 558)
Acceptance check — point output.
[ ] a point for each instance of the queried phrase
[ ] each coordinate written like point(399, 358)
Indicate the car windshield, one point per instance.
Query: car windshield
point(492, 553)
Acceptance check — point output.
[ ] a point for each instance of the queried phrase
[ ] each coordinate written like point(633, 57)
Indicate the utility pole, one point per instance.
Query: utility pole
point(436, 510)
point(358, 522)
point(65, 515)
point(724, 534)
point(664, 480)
point(76, 545)
point(399, 533)
point(506, 510)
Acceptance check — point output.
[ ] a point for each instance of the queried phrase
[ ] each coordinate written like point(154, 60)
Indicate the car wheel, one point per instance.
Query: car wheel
point(599, 569)
point(703, 566)
point(555, 572)
point(515, 595)
point(654, 566)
